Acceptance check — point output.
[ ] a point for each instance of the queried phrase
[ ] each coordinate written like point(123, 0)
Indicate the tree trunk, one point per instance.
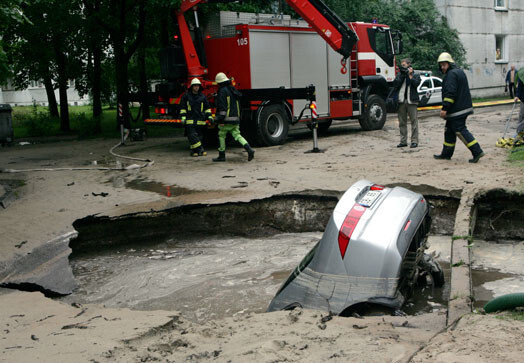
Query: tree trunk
point(62, 89)
point(122, 91)
point(51, 98)
point(96, 92)
point(144, 89)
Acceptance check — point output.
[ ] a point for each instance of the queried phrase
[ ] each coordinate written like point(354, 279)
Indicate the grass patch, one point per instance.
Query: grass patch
point(487, 99)
point(516, 154)
point(512, 315)
point(34, 121)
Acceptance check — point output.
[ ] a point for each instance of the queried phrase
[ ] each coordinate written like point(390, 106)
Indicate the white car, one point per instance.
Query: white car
point(429, 90)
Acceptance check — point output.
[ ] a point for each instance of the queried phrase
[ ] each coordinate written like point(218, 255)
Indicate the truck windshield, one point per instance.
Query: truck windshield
point(380, 41)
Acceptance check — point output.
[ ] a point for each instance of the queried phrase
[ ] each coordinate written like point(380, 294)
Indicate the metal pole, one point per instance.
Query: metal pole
point(314, 127)
point(121, 120)
point(509, 119)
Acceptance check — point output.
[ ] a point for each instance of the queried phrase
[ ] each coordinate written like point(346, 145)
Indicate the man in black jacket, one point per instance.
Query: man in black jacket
point(194, 111)
point(405, 84)
point(228, 117)
point(456, 106)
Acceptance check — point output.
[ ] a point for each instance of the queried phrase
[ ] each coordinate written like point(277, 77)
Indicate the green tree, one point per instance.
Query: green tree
point(425, 31)
point(11, 14)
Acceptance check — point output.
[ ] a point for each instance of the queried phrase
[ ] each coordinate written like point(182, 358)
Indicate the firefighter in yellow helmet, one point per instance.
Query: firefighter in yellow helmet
point(228, 117)
point(194, 111)
point(456, 106)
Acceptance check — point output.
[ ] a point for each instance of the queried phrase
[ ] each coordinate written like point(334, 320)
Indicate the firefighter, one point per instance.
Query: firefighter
point(228, 117)
point(519, 95)
point(456, 106)
point(194, 111)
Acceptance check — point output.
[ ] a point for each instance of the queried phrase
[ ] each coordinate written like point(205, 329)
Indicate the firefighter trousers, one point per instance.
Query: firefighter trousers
point(457, 128)
point(195, 134)
point(234, 130)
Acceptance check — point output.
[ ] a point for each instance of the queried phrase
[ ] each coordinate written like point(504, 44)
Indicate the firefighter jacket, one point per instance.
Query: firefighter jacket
point(228, 105)
point(520, 85)
point(400, 84)
point(195, 109)
point(456, 98)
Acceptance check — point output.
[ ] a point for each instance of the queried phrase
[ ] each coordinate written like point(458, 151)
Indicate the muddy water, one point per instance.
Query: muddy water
point(208, 279)
point(497, 269)
point(204, 279)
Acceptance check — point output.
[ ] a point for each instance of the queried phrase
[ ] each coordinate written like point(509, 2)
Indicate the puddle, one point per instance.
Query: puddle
point(497, 270)
point(159, 188)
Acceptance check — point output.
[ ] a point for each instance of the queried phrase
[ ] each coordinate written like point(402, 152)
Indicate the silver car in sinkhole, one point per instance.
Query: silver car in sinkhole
point(372, 251)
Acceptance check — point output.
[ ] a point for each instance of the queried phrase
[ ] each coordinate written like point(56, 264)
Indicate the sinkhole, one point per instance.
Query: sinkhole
point(498, 245)
point(213, 261)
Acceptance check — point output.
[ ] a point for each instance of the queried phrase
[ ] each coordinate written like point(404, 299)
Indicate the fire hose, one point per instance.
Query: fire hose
point(146, 163)
point(505, 302)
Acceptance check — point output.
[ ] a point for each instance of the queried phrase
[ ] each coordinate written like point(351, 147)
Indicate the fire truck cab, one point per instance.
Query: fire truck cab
point(281, 66)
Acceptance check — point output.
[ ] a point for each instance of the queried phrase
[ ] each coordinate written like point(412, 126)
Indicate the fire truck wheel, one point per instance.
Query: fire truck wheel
point(374, 114)
point(272, 126)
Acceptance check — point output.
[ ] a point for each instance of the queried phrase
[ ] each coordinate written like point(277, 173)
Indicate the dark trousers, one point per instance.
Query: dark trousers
point(511, 90)
point(195, 135)
point(457, 128)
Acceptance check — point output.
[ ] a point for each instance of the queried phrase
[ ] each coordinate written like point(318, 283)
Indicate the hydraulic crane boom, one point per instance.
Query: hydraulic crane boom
point(322, 19)
point(327, 24)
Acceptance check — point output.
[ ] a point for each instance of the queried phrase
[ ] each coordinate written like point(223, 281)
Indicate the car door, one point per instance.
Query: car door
point(425, 90)
point(437, 90)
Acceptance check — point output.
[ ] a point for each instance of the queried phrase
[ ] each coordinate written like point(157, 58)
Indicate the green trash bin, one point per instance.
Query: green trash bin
point(6, 125)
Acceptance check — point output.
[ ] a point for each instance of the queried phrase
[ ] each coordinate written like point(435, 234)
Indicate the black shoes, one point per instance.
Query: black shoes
point(413, 145)
point(441, 157)
point(476, 158)
point(402, 144)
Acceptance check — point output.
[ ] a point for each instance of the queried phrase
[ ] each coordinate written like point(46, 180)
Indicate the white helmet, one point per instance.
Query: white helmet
point(196, 81)
point(221, 78)
point(445, 57)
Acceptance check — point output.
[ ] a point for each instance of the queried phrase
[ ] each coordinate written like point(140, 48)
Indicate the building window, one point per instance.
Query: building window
point(500, 49)
point(501, 5)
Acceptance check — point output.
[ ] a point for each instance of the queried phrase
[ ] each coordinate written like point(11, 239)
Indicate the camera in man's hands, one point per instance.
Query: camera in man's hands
point(404, 70)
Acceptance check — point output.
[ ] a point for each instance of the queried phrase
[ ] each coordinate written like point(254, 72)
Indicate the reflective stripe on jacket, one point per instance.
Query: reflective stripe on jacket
point(194, 109)
point(456, 98)
point(228, 105)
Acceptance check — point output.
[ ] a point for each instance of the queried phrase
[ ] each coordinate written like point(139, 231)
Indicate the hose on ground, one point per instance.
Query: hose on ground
point(146, 163)
point(505, 302)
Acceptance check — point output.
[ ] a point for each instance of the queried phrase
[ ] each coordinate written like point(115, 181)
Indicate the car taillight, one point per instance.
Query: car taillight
point(407, 225)
point(347, 228)
point(377, 187)
point(161, 110)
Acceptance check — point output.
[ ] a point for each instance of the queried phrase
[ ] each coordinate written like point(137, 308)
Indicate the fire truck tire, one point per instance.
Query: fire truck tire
point(374, 114)
point(272, 125)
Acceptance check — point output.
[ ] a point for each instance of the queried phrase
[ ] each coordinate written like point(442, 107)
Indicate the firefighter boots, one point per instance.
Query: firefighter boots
point(221, 156)
point(477, 157)
point(250, 152)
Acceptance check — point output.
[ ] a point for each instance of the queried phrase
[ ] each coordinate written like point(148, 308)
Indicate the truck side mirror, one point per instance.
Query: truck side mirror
point(397, 42)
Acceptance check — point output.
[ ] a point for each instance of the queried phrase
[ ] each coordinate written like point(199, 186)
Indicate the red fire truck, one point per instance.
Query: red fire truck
point(282, 65)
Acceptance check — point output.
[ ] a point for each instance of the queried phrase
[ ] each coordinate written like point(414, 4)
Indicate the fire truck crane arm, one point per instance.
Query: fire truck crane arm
point(327, 24)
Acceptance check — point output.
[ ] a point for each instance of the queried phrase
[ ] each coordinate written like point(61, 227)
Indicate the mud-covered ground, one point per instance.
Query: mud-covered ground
point(48, 203)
